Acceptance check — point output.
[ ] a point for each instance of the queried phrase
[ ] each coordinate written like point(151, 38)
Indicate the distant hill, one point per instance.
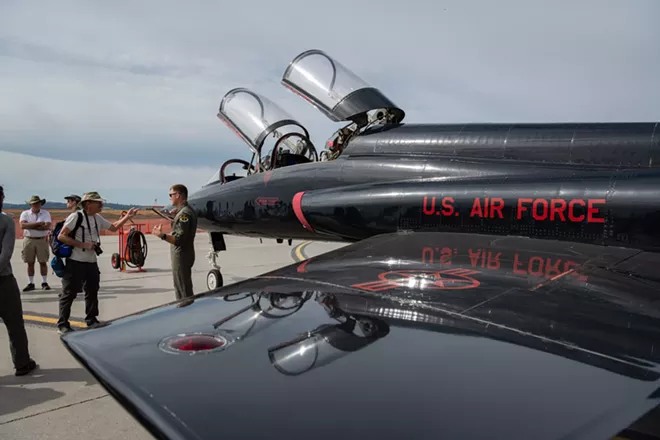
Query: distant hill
point(61, 205)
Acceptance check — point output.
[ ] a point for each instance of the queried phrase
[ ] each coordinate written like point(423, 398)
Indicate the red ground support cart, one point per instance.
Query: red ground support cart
point(132, 249)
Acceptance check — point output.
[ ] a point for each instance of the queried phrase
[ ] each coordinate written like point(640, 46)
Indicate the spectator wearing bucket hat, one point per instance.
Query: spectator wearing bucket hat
point(82, 270)
point(36, 223)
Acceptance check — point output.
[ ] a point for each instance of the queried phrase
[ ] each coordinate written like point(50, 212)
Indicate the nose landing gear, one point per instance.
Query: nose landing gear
point(214, 278)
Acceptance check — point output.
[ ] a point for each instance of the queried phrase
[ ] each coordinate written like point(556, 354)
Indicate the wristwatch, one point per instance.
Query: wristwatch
point(163, 236)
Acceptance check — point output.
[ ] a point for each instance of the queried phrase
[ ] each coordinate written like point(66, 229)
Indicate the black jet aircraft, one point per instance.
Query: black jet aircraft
point(582, 182)
point(498, 282)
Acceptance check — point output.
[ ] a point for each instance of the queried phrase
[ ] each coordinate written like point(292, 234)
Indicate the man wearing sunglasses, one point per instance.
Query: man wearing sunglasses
point(11, 308)
point(182, 239)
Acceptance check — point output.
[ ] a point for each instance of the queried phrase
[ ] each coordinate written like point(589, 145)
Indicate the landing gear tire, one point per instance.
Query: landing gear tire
point(214, 279)
point(115, 260)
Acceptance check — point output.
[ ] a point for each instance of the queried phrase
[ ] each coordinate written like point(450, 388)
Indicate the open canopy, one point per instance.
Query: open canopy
point(254, 117)
point(275, 138)
point(332, 88)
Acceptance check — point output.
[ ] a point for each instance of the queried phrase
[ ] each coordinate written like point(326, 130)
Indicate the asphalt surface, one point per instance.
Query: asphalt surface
point(60, 400)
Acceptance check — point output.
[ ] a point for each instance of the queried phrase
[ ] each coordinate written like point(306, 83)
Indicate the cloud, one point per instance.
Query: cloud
point(141, 82)
point(131, 183)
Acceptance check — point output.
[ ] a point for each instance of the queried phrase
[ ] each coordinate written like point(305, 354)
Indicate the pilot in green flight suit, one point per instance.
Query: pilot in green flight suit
point(182, 240)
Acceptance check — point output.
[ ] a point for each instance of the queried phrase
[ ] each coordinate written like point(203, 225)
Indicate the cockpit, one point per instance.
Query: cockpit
point(277, 140)
point(274, 137)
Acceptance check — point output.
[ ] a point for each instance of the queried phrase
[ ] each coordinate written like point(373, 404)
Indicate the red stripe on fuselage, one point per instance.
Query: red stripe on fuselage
point(297, 209)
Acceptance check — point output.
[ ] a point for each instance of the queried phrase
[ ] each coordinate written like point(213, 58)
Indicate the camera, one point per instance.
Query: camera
point(97, 249)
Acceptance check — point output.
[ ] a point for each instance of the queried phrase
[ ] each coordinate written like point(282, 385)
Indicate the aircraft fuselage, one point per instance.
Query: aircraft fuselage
point(595, 183)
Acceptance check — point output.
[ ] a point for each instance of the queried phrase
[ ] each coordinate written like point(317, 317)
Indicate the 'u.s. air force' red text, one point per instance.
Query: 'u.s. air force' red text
point(574, 210)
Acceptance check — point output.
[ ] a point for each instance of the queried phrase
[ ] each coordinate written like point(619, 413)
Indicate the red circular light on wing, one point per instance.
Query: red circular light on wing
point(196, 343)
point(193, 343)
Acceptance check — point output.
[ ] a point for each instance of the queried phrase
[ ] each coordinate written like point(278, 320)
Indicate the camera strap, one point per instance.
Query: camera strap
point(89, 228)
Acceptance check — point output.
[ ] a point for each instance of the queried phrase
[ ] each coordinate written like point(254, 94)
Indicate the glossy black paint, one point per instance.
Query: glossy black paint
point(627, 145)
point(260, 205)
point(620, 208)
point(421, 335)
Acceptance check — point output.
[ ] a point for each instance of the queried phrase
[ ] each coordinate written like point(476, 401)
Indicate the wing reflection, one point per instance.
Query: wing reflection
point(363, 320)
point(327, 343)
point(263, 311)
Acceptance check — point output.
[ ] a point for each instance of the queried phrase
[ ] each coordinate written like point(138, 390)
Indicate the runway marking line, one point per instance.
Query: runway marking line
point(49, 320)
point(298, 251)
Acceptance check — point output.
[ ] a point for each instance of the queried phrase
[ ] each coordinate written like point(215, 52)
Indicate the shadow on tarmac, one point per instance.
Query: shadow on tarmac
point(15, 397)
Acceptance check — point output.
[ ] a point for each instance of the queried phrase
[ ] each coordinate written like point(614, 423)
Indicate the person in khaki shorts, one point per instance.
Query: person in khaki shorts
point(36, 223)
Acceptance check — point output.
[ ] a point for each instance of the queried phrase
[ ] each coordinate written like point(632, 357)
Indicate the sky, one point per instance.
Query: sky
point(121, 97)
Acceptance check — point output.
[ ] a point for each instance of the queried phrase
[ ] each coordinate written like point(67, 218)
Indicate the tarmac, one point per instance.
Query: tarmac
point(61, 400)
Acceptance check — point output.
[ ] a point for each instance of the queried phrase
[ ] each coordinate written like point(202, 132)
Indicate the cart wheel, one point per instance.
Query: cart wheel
point(214, 279)
point(116, 261)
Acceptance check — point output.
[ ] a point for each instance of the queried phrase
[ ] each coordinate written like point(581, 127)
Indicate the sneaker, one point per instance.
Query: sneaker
point(95, 324)
point(64, 329)
point(26, 369)
point(45, 286)
point(29, 287)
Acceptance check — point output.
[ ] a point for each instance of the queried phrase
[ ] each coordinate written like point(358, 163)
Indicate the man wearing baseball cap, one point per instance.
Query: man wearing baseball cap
point(72, 202)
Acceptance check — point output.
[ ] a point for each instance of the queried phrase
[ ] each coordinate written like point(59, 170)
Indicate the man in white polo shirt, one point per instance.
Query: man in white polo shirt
point(36, 223)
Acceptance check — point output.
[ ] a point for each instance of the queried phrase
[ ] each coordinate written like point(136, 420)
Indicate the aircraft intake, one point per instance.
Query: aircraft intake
point(619, 208)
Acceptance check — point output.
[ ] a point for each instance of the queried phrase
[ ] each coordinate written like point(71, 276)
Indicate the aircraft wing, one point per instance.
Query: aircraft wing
point(420, 335)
